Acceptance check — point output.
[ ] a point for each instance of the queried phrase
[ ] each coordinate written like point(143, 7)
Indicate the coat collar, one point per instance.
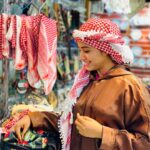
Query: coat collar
point(116, 71)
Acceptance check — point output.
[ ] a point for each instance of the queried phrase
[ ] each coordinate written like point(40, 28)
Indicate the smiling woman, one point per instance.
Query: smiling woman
point(94, 59)
point(108, 106)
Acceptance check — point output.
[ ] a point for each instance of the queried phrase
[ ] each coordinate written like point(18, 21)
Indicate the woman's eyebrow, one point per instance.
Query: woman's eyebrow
point(85, 47)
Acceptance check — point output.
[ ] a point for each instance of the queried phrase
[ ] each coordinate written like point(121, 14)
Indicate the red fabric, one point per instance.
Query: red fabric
point(14, 32)
point(20, 62)
point(33, 43)
point(1, 56)
point(81, 80)
point(47, 52)
point(13, 120)
point(104, 27)
point(35, 29)
point(5, 44)
point(12, 38)
point(23, 39)
point(32, 75)
point(41, 51)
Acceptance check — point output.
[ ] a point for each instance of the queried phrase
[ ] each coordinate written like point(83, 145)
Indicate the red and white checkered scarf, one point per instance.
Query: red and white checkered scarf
point(106, 37)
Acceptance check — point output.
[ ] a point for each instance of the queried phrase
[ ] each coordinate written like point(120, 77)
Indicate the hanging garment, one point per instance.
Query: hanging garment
point(32, 43)
point(20, 62)
point(32, 74)
point(11, 35)
point(47, 53)
point(23, 39)
point(5, 44)
point(1, 56)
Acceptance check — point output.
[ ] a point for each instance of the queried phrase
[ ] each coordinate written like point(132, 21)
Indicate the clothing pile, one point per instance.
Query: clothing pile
point(34, 139)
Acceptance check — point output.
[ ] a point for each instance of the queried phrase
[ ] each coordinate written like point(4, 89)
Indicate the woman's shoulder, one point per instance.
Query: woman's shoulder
point(126, 78)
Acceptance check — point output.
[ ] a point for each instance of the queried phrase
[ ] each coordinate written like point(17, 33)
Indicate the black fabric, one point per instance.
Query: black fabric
point(54, 143)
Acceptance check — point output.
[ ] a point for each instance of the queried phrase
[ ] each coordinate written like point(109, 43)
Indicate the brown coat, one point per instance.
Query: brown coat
point(120, 102)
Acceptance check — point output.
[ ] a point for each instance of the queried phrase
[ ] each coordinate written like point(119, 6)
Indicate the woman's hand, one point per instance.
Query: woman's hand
point(88, 127)
point(21, 127)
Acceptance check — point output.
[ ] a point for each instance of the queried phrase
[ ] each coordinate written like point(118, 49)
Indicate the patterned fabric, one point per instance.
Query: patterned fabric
point(81, 80)
point(11, 35)
point(32, 74)
point(23, 39)
point(19, 61)
point(41, 51)
point(32, 42)
point(5, 44)
point(14, 32)
point(36, 28)
point(33, 140)
point(1, 22)
point(47, 53)
point(8, 124)
point(65, 121)
point(105, 36)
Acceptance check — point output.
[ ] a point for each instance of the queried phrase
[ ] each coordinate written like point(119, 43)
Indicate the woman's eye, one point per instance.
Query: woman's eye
point(86, 51)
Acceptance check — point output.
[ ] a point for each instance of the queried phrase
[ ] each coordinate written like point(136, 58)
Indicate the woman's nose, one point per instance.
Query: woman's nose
point(81, 56)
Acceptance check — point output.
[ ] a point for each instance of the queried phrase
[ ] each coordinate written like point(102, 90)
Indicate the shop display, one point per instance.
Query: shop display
point(39, 58)
point(139, 42)
point(135, 34)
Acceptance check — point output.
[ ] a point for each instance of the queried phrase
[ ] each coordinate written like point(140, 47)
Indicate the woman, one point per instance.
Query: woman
point(110, 105)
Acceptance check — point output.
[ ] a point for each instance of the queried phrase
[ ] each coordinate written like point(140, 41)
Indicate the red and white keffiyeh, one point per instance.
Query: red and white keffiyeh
point(105, 36)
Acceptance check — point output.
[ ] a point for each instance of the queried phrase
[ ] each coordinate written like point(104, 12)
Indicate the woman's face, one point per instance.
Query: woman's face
point(92, 57)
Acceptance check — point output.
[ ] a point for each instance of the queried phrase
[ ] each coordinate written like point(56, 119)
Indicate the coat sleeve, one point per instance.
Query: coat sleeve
point(44, 120)
point(136, 135)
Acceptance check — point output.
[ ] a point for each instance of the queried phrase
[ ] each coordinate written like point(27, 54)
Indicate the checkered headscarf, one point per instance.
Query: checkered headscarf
point(105, 36)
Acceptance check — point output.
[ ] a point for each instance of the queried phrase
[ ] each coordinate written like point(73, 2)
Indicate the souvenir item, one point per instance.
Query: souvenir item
point(136, 34)
point(127, 40)
point(22, 86)
point(141, 62)
point(137, 51)
point(124, 25)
